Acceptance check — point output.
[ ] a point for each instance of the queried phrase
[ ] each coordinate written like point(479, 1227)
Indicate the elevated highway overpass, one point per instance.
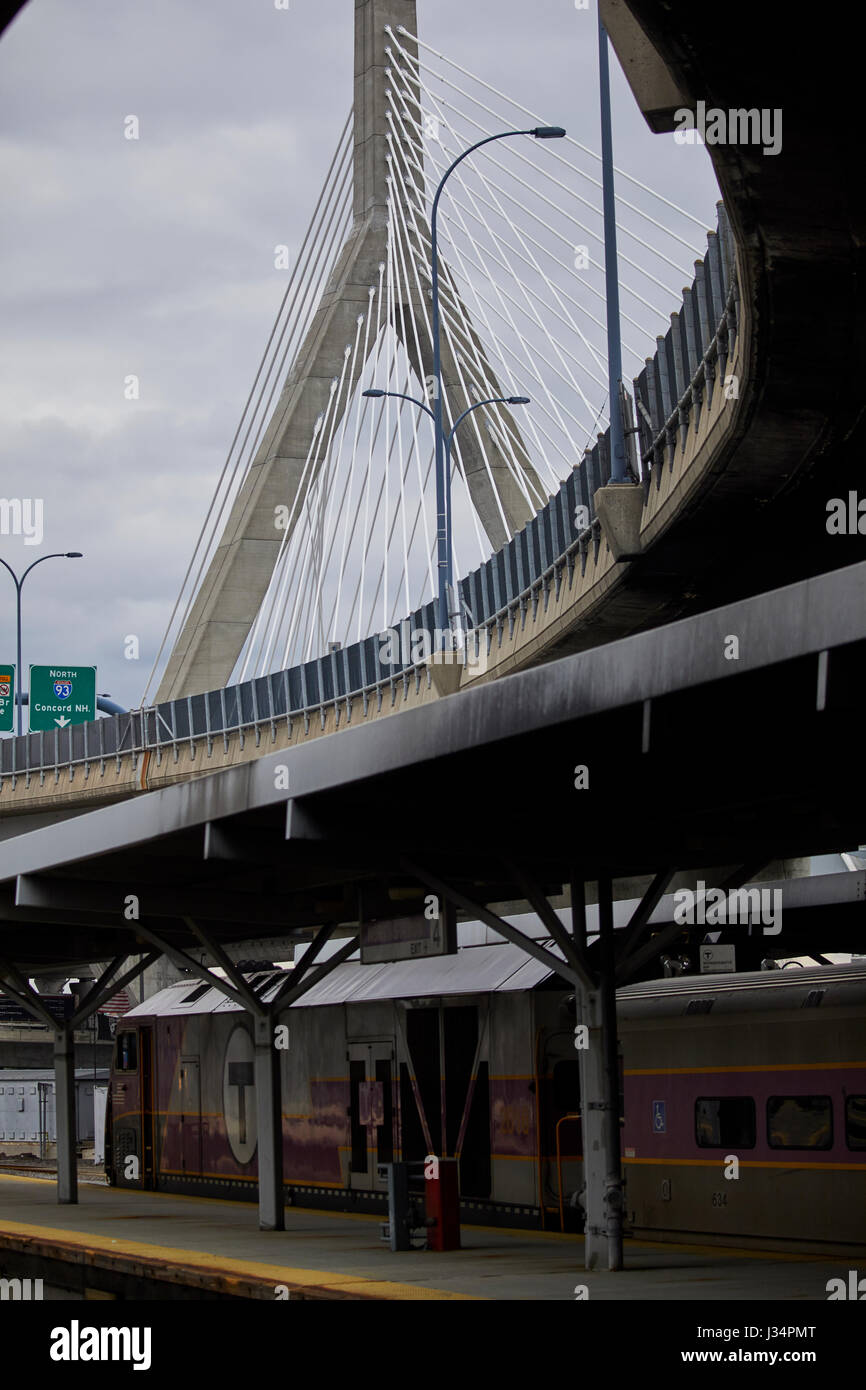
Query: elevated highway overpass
point(749, 420)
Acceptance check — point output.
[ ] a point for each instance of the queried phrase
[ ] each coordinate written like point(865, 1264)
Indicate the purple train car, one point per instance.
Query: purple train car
point(744, 1096)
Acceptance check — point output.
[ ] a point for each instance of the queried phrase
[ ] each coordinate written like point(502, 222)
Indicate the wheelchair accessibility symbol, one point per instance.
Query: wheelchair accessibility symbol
point(659, 1117)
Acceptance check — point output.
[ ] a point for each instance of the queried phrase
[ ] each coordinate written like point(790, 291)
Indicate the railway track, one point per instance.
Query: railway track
point(27, 1170)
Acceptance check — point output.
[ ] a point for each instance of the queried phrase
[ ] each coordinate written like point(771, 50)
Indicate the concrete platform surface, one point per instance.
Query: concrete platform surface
point(217, 1244)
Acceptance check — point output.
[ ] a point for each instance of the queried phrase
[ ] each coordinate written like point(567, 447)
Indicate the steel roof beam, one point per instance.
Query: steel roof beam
point(106, 987)
point(498, 924)
point(542, 908)
point(253, 1004)
point(630, 964)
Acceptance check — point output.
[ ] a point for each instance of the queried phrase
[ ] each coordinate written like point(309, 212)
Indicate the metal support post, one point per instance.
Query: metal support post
point(613, 1189)
point(272, 1215)
point(591, 1063)
point(64, 1085)
point(611, 272)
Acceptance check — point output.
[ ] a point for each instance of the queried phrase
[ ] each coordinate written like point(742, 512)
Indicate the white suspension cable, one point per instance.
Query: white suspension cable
point(417, 257)
point(365, 533)
point(412, 253)
point(476, 293)
point(538, 121)
point(335, 414)
point(406, 287)
point(517, 333)
point(227, 477)
point(589, 286)
point(348, 509)
point(537, 192)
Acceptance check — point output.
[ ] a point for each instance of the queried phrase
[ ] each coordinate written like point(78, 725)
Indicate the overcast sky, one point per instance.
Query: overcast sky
point(155, 257)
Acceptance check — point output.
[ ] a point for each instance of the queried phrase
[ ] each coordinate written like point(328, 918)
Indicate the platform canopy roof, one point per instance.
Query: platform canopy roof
point(725, 739)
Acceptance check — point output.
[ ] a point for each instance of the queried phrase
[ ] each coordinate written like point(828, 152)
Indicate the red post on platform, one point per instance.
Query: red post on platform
point(443, 1203)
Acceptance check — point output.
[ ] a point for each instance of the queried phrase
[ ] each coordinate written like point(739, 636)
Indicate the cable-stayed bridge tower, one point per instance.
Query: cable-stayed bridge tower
point(321, 534)
point(502, 482)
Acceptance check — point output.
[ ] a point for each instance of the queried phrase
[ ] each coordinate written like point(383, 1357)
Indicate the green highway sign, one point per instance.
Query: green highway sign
point(7, 697)
point(61, 695)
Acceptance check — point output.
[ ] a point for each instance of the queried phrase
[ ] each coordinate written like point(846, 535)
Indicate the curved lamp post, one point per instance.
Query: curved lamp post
point(443, 472)
point(443, 478)
point(447, 441)
point(56, 555)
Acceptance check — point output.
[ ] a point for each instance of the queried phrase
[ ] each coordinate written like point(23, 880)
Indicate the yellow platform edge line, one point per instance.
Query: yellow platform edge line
point(518, 1232)
point(202, 1262)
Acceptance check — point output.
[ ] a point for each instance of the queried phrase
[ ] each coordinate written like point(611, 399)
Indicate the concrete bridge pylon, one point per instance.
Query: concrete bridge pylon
point(237, 578)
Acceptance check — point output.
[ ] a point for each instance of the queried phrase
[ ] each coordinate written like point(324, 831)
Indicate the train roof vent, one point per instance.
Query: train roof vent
point(195, 994)
point(699, 1006)
point(813, 999)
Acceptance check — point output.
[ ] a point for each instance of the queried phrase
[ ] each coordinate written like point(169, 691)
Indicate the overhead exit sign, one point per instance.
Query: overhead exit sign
point(7, 698)
point(61, 695)
point(409, 938)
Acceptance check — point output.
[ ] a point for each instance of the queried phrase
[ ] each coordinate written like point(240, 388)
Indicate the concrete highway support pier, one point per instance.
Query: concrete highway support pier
point(64, 1084)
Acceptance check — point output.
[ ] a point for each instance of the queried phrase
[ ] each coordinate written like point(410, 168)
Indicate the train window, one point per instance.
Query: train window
point(127, 1052)
point(800, 1122)
point(725, 1122)
point(855, 1122)
point(385, 1131)
point(357, 1078)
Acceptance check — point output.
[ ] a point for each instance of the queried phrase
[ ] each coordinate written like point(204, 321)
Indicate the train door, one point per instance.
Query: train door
point(371, 1113)
point(145, 1044)
point(190, 1106)
point(445, 1092)
point(130, 1103)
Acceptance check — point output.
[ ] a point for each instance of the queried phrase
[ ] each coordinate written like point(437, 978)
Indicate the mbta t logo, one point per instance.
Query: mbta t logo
point(241, 1075)
point(239, 1095)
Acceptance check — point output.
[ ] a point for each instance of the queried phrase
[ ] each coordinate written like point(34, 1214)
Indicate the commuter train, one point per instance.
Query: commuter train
point(473, 1055)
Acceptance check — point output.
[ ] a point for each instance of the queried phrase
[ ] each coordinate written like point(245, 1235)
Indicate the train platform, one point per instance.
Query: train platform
point(141, 1245)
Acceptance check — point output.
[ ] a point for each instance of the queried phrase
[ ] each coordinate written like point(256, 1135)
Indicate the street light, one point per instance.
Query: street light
point(443, 478)
point(618, 467)
point(56, 555)
point(448, 440)
point(443, 471)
